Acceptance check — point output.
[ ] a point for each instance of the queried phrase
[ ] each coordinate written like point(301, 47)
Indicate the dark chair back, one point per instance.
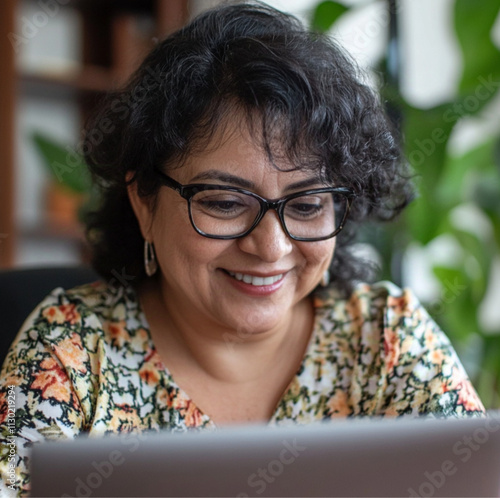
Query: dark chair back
point(21, 290)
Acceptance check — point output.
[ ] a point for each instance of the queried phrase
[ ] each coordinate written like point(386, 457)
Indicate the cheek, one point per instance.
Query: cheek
point(181, 250)
point(171, 226)
point(319, 255)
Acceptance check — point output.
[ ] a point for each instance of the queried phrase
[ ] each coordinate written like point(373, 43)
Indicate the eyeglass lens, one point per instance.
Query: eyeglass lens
point(226, 213)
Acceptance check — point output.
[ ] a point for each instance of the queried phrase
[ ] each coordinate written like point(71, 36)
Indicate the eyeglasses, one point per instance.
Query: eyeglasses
point(224, 212)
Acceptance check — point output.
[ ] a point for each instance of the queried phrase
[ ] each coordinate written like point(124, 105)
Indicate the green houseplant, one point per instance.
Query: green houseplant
point(71, 193)
point(450, 186)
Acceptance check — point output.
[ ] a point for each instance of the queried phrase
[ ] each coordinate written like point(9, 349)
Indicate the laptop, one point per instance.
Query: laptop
point(357, 457)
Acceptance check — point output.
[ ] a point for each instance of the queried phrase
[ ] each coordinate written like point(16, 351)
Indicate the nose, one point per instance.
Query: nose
point(267, 240)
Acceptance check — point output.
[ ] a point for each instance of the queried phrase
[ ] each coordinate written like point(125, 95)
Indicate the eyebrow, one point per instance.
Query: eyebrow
point(221, 176)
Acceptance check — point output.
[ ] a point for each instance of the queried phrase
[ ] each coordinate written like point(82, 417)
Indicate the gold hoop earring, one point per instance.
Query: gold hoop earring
point(150, 264)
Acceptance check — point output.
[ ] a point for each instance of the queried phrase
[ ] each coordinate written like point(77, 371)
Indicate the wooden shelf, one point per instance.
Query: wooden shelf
point(115, 36)
point(53, 230)
point(7, 136)
point(90, 79)
point(137, 6)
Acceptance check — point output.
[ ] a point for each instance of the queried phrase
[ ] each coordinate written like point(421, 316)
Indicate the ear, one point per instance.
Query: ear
point(141, 207)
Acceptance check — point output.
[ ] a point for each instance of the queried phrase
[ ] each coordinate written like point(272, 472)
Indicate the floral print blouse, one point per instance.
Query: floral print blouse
point(84, 361)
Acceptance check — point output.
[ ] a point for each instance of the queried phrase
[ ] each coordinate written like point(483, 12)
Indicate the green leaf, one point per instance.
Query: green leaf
point(496, 153)
point(486, 193)
point(64, 164)
point(427, 132)
point(457, 311)
point(326, 14)
point(423, 218)
point(460, 171)
point(489, 378)
point(482, 253)
point(481, 75)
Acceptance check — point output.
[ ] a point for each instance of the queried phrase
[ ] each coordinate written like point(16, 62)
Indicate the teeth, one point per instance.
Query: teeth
point(249, 279)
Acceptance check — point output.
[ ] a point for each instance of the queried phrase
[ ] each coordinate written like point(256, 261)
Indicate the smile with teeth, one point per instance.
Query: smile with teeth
point(258, 281)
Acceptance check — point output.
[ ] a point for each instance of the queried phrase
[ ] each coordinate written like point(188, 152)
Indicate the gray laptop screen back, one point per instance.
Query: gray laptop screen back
point(398, 457)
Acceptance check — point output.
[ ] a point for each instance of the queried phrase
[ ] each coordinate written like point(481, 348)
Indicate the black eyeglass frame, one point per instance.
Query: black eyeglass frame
point(189, 191)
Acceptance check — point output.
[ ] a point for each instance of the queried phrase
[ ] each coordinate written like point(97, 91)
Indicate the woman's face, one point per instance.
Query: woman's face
point(201, 277)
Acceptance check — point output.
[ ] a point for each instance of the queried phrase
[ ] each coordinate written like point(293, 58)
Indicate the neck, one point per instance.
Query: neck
point(192, 344)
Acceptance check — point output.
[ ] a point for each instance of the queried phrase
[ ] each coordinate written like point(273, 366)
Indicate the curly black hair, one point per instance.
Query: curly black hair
point(301, 92)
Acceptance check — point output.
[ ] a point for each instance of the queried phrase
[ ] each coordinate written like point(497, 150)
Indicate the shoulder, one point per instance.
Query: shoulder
point(392, 336)
point(65, 347)
point(378, 292)
point(97, 298)
point(78, 304)
point(383, 316)
point(374, 317)
point(382, 302)
point(74, 320)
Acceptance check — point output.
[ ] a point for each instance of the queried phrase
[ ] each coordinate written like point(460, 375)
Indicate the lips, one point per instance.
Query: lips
point(256, 280)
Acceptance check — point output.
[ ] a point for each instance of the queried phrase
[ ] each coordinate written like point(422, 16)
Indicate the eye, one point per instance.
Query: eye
point(305, 208)
point(220, 204)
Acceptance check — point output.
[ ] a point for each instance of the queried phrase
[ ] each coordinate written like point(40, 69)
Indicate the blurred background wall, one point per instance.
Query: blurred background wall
point(58, 57)
point(48, 40)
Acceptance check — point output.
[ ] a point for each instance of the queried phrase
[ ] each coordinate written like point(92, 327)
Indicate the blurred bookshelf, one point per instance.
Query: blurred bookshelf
point(110, 37)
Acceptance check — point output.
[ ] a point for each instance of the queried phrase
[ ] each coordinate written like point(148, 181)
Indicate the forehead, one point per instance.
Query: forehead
point(237, 147)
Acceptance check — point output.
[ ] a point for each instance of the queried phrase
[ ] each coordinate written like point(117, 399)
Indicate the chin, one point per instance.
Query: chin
point(256, 322)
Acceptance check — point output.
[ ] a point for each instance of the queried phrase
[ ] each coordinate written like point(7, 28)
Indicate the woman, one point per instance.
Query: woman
point(237, 165)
